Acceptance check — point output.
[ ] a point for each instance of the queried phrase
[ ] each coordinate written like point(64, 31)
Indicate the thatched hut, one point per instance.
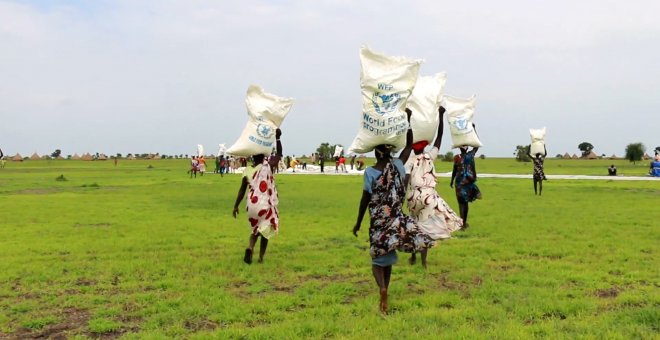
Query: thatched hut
point(566, 156)
point(614, 157)
point(574, 156)
point(17, 158)
point(592, 155)
point(35, 156)
point(75, 156)
point(86, 157)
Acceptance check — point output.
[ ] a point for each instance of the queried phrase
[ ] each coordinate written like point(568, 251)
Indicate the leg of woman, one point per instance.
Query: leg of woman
point(424, 253)
point(413, 258)
point(379, 275)
point(535, 181)
point(462, 207)
point(388, 273)
point(262, 248)
point(250, 249)
point(540, 187)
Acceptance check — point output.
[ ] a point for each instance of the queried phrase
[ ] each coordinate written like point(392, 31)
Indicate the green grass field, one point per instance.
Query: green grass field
point(142, 251)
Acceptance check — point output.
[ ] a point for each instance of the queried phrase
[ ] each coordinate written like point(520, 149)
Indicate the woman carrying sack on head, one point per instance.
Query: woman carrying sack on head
point(390, 229)
point(464, 177)
point(262, 200)
point(432, 213)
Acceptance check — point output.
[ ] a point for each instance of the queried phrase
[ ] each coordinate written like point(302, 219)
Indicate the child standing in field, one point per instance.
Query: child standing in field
point(262, 200)
point(390, 229)
point(432, 213)
point(538, 175)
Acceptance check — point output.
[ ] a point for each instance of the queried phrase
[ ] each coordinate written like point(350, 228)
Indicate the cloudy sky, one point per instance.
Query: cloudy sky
point(164, 76)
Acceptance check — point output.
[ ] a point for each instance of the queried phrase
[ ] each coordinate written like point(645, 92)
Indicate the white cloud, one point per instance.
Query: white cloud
point(158, 69)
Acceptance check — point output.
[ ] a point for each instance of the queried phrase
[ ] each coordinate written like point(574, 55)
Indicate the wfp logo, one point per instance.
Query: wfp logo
point(385, 103)
point(264, 131)
point(460, 125)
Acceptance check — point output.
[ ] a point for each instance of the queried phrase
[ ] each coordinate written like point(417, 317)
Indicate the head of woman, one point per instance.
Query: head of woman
point(383, 152)
point(257, 159)
point(418, 147)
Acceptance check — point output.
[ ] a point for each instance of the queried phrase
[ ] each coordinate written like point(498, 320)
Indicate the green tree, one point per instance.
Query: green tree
point(326, 150)
point(56, 153)
point(521, 153)
point(634, 152)
point(448, 157)
point(586, 148)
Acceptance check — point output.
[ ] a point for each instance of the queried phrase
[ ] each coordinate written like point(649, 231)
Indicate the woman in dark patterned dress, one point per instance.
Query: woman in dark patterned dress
point(539, 175)
point(390, 229)
point(464, 177)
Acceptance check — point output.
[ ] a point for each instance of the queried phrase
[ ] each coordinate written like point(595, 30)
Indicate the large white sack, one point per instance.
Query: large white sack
point(200, 150)
point(538, 141)
point(266, 112)
point(386, 84)
point(338, 150)
point(221, 150)
point(459, 118)
point(424, 103)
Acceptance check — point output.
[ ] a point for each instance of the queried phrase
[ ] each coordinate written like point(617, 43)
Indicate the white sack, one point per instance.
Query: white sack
point(538, 141)
point(265, 114)
point(200, 150)
point(386, 84)
point(338, 150)
point(459, 118)
point(424, 103)
point(221, 150)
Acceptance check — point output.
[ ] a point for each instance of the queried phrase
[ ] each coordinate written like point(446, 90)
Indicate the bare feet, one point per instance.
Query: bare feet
point(383, 301)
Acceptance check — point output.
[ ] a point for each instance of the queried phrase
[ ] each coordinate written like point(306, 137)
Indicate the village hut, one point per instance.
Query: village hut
point(35, 156)
point(566, 156)
point(17, 158)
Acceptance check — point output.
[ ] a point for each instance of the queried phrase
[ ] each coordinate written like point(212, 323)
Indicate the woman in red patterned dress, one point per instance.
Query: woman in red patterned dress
point(262, 200)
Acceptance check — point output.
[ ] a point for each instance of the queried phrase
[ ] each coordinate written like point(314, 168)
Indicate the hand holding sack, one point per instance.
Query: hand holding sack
point(386, 84)
point(424, 103)
point(459, 114)
point(538, 141)
point(265, 114)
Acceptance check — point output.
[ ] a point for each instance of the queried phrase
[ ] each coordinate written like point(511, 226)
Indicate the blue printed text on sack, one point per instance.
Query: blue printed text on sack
point(260, 141)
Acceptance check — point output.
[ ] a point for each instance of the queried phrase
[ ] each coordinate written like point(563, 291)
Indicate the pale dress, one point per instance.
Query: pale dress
point(433, 214)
